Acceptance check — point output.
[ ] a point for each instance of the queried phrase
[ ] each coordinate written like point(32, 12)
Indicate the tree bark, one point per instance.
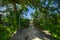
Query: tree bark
point(0, 18)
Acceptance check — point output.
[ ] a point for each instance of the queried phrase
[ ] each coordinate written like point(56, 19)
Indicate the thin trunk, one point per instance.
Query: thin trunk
point(14, 3)
point(15, 9)
point(15, 12)
point(0, 18)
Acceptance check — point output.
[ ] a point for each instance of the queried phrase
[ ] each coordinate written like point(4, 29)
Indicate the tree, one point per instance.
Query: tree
point(0, 18)
point(46, 12)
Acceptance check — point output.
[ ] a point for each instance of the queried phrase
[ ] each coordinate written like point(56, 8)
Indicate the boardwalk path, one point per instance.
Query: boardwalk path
point(31, 33)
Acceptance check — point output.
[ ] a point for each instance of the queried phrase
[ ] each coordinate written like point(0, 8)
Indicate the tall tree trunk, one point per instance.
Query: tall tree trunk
point(15, 10)
point(15, 13)
point(0, 18)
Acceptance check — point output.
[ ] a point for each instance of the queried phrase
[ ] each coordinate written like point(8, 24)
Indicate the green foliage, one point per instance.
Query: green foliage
point(24, 23)
point(5, 33)
point(50, 23)
point(45, 16)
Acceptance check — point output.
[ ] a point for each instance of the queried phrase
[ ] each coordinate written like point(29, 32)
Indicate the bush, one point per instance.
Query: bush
point(4, 34)
point(24, 23)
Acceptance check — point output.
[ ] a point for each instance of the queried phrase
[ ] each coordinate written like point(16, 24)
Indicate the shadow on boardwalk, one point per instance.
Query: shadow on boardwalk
point(31, 33)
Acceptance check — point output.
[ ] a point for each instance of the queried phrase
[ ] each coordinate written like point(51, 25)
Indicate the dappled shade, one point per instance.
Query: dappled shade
point(46, 16)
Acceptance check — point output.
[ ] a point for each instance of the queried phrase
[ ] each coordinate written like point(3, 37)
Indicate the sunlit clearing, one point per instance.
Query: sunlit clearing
point(46, 31)
point(14, 33)
point(36, 38)
point(46, 38)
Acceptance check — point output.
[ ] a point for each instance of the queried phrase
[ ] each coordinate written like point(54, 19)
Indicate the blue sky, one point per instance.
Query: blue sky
point(2, 8)
point(30, 10)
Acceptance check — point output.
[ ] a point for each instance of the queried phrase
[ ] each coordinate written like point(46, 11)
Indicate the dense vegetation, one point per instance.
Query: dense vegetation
point(7, 30)
point(45, 16)
point(50, 23)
